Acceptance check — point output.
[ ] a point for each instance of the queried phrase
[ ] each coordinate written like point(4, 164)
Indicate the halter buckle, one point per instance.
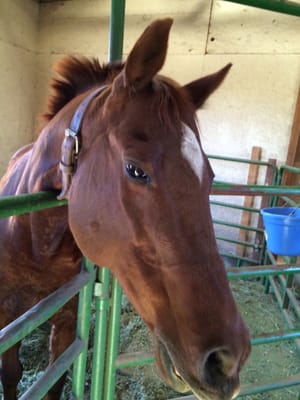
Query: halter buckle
point(73, 135)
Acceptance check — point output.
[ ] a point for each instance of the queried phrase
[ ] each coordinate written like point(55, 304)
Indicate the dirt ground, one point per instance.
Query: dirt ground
point(267, 362)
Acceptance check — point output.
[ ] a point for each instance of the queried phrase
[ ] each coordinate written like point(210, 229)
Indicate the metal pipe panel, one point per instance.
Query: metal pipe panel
point(283, 7)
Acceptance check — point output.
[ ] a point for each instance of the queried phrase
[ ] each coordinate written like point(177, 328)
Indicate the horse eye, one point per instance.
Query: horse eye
point(136, 173)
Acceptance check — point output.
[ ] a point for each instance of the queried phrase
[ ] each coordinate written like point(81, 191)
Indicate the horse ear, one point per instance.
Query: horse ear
point(200, 89)
point(148, 54)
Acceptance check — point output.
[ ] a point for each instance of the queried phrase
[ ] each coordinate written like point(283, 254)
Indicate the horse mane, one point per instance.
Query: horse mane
point(76, 75)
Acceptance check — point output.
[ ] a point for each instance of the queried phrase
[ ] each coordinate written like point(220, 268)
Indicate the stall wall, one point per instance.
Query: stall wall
point(255, 105)
point(18, 91)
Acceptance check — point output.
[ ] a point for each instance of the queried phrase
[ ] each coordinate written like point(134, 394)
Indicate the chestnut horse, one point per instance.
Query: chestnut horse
point(137, 183)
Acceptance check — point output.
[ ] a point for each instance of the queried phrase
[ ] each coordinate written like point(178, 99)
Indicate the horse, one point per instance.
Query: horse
point(121, 143)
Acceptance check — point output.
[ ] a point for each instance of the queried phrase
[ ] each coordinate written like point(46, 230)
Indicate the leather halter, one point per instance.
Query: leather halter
point(71, 144)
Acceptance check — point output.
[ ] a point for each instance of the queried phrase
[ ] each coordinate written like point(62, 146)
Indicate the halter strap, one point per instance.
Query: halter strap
point(71, 144)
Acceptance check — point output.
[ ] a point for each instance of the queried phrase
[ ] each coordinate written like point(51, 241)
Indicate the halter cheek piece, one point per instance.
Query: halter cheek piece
point(71, 144)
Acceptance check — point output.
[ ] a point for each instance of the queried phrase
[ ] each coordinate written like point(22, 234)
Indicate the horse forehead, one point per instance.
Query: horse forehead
point(191, 151)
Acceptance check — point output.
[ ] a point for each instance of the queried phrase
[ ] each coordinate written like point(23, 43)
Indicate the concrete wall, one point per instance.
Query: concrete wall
point(254, 106)
point(18, 49)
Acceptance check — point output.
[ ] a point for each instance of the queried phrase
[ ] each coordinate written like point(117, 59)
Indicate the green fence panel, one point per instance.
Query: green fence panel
point(24, 203)
point(42, 311)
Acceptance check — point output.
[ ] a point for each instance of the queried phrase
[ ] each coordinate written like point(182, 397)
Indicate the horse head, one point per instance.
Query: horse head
point(139, 204)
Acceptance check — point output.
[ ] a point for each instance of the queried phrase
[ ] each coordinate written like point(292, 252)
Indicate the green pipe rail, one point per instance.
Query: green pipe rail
point(234, 206)
point(233, 225)
point(24, 203)
point(281, 6)
point(240, 242)
point(232, 189)
point(243, 161)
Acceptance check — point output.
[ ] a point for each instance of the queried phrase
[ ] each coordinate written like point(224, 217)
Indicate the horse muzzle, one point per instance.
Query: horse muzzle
point(212, 384)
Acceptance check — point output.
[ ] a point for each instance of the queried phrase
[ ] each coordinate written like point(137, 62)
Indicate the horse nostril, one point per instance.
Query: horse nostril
point(221, 371)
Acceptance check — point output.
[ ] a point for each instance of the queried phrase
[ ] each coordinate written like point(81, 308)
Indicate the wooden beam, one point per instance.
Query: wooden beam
point(265, 202)
point(293, 156)
point(249, 200)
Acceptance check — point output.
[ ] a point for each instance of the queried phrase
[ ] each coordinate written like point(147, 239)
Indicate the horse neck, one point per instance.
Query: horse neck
point(43, 172)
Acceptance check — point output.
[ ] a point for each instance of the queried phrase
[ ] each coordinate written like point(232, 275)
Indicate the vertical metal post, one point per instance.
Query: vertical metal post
point(288, 283)
point(117, 17)
point(113, 341)
point(102, 300)
point(82, 331)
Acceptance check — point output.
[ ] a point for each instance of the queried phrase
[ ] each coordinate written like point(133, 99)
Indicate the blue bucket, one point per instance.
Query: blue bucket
point(282, 230)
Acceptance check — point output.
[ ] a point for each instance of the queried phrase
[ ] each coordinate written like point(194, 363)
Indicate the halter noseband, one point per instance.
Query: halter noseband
point(71, 144)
